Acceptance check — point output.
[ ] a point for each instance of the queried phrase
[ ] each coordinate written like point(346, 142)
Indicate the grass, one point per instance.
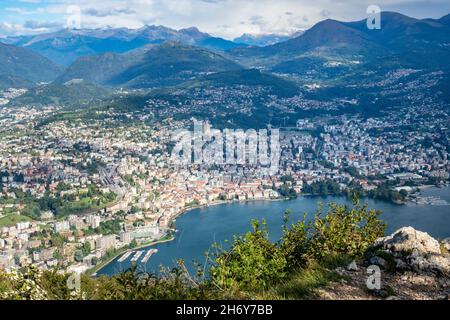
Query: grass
point(303, 283)
point(11, 220)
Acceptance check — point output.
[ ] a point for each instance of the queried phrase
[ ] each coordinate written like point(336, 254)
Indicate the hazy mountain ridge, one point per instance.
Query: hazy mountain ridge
point(71, 93)
point(262, 40)
point(445, 20)
point(66, 46)
point(20, 67)
point(409, 38)
point(159, 65)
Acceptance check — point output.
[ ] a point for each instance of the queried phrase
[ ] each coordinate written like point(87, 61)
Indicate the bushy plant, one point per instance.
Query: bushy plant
point(294, 243)
point(251, 263)
point(343, 230)
point(254, 263)
point(176, 284)
point(32, 284)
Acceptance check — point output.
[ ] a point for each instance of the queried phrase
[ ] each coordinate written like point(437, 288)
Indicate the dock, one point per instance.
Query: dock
point(137, 256)
point(149, 254)
point(125, 256)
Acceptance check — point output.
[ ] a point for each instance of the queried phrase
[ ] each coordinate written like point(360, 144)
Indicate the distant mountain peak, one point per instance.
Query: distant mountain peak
point(190, 29)
point(445, 19)
point(195, 33)
point(155, 27)
point(66, 45)
point(327, 24)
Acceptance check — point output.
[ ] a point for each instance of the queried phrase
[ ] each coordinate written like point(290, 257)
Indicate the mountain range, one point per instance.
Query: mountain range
point(151, 66)
point(65, 46)
point(417, 42)
point(20, 67)
point(331, 53)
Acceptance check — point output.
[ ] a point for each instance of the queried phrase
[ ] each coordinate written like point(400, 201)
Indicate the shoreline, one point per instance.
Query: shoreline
point(221, 202)
point(216, 203)
point(93, 271)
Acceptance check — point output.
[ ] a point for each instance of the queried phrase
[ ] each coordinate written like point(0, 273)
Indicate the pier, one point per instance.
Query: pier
point(125, 256)
point(137, 256)
point(149, 254)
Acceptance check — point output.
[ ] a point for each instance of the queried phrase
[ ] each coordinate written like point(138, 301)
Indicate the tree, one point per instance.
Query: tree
point(57, 240)
point(133, 243)
point(86, 248)
point(79, 255)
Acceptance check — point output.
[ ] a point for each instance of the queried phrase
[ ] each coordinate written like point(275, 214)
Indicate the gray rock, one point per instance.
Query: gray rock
point(401, 265)
point(340, 271)
point(378, 261)
point(412, 250)
point(407, 240)
point(352, 266)
point(446, 244)
point(444, 282)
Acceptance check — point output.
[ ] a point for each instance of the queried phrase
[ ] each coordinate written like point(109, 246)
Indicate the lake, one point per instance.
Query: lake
point(198, 229)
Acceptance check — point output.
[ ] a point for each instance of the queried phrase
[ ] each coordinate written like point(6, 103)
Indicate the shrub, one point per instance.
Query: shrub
point(344, 231)
point(295, 265)
point(294, 243)
point(252, 262)
point(35, 284)
point(132, 285)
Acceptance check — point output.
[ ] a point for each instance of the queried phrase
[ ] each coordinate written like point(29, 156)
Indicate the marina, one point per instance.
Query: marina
point(125, 256)
point(431, 200)
point(137, 255)
point(149, 254)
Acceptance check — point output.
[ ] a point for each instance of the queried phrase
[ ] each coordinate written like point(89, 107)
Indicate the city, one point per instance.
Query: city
point(210, 150)
point(76, 194)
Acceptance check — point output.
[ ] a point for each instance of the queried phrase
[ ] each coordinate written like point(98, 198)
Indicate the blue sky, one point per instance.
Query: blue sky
point(226, 18)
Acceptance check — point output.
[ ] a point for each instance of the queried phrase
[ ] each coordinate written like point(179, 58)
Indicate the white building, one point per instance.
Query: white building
point(106, 242)
point(62, 226)
point(126, 237)
point(93, 221)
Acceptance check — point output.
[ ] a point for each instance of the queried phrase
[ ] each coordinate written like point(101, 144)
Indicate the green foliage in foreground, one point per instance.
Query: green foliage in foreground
point(253, 263)
point(252, 266)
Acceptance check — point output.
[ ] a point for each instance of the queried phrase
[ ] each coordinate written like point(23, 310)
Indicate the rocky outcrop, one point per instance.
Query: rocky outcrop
point(407, 285)
point(410, 249)
point(446, 244)
point(413, 265)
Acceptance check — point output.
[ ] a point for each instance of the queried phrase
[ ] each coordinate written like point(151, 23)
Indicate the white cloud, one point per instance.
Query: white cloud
point(16, 29)
point(22, 11)
point(226, 18)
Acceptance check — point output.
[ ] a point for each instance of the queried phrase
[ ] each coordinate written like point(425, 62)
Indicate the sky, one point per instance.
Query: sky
point(224, 18)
